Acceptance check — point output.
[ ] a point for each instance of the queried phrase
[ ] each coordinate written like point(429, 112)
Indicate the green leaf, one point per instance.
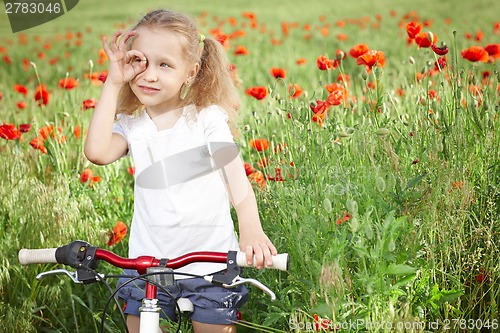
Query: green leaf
point(415, 180)
point(399, 270)
point(405, 280)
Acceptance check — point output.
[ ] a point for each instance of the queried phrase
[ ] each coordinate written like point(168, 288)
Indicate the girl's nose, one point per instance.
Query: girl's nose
point(150, 75)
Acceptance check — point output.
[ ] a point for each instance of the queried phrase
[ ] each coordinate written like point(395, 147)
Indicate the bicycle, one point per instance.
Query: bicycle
point(157, 273)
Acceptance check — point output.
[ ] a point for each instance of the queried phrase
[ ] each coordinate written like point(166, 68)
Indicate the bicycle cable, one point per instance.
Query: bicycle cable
point(143, 277)
point(103, 317)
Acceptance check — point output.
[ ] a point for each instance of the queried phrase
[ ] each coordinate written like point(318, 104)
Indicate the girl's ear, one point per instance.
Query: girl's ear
point(193, 72)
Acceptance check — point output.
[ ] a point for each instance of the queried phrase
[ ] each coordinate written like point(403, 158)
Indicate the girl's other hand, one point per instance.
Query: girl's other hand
point(124, 65)
point(260, 246)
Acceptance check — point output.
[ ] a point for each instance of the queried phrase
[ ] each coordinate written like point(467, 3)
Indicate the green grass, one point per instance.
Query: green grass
point(421, 188)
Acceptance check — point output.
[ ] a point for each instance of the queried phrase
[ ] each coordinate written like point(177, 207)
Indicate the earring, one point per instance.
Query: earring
point(184, 90)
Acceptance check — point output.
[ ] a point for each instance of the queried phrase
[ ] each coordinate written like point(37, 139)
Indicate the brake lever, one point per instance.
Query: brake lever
point(256, 283)
point(72, 275)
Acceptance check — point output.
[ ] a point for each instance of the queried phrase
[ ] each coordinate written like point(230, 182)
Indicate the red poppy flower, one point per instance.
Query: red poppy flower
point(77, 132)
point(259, 144)
point(131, 170)
point(68, 83)
point(493, 50)
point(342, 37)
point(42, 95)
point(46, 131)
point(413, 28)
point(37, 143)
point(258, 92)
point(249, 15)
point(248, 169)
point(294, 90)
point(237, 34)
point(319, 107)
point(257, 177)
point(475, 54)
point(221, 37)
point(263, 163)
point(358, 50)
point(241, 50)
point(370, 59)
point(89, 103)
point(278, 73)
point(9, 132)
point(338, 94)
point(95, 179)
point(21, 105)
point(103, 57)
point(103, 76)
point(300, 61)
point(21, 89)
point(119, 232)
point(440, 63)
point(426, 39)
point(324, 63)
point(86, 175)
point(318, 118)
point(441, 51)
point(25, 128)
point(346, 217)
point(277, 176)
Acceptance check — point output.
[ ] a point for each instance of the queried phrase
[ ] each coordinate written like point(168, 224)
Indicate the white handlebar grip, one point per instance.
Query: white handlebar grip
point(38, 256)
point(280, 261)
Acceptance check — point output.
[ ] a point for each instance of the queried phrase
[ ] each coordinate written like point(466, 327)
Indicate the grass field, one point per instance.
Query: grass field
point(386, 199)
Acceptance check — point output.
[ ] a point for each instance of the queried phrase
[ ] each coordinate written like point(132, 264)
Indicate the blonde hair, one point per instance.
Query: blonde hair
point(213, 83)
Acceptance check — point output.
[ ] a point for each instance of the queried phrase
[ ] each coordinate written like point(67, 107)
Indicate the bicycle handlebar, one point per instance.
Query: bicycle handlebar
point(74, 253)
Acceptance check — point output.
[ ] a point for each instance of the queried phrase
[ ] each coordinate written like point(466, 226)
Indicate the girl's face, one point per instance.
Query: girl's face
point(158, 86)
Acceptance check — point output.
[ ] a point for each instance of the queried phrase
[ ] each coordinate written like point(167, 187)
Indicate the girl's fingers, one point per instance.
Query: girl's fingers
point(135, 55)
point(114, 41)
point(105, 45)
point(267, 259)
point(125, 38)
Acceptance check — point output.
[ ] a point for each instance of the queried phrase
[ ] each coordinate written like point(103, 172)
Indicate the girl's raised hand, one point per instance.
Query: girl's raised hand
point(124, 65)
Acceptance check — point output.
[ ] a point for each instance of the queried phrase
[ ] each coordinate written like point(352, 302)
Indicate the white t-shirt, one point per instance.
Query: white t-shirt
point(180, 202)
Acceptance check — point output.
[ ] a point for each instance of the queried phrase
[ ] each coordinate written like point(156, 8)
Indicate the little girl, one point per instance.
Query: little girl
point(171, 91)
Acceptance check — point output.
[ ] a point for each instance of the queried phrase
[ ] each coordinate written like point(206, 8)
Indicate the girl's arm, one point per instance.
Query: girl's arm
point(102, 146)
point(252, 239)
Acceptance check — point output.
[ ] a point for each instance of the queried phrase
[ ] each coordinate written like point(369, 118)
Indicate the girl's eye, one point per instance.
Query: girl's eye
point(164, 65)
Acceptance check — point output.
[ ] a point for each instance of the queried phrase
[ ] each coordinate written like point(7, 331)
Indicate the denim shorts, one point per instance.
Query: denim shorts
point(212, 304)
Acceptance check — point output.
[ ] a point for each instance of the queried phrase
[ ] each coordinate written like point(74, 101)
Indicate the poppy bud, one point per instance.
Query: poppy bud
point(340, 55)
point(350, 130)
point(343, 134)
point(411, 60)
point(380, 184)
point(430, 37)
point(327, 205)
point(486, 105)
point(352, 206)
point(364, 75)
point(382, 132)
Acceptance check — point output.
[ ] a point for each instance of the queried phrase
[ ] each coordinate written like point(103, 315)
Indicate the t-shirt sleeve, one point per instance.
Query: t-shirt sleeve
point(118, 126)
point(217, 132)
